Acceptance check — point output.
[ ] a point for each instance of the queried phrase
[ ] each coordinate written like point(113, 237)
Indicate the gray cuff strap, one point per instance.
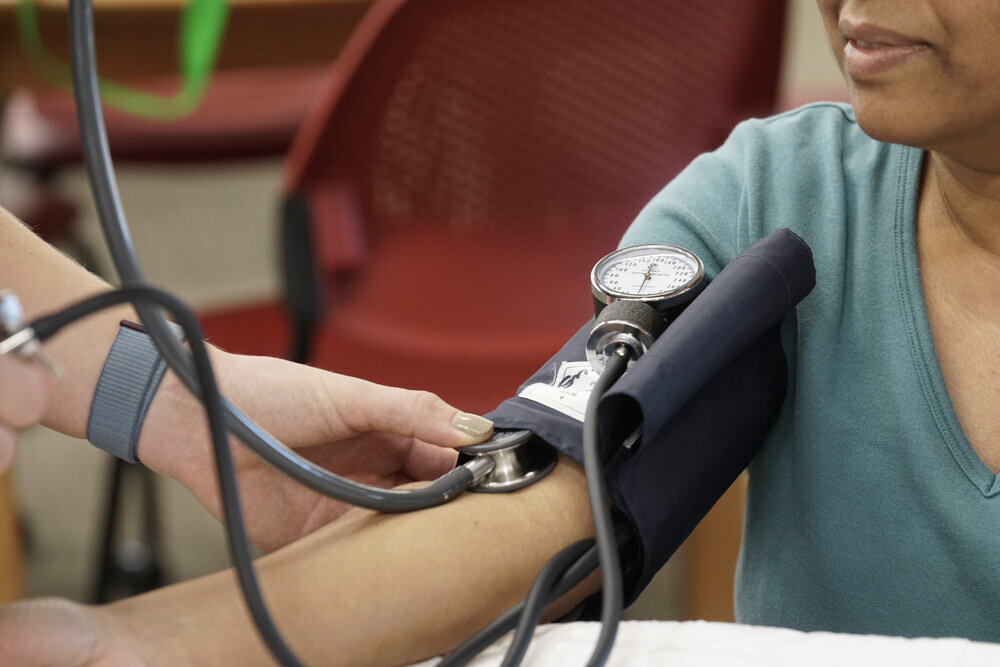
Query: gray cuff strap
point(128, 381)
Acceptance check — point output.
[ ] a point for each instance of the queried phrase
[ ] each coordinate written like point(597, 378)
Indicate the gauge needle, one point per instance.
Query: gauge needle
point(645, 277)
point(648, 275)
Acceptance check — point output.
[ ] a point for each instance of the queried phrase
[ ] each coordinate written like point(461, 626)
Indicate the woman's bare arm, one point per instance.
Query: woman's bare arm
point(373, 589)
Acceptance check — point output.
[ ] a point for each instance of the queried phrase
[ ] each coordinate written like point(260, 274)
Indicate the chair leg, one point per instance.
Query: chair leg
point(302, 341)
point(129, 566)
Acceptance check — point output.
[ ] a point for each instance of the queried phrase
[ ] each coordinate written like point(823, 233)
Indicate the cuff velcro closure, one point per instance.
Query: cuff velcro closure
point(131, 375)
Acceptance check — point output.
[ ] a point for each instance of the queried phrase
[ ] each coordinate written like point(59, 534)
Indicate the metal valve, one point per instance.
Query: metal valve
point(19, 338)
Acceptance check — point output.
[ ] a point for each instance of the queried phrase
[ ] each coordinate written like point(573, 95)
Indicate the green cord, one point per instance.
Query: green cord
point(203, 25)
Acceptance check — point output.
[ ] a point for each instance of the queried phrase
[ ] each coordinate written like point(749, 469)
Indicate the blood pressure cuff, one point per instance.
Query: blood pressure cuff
point(679, 427)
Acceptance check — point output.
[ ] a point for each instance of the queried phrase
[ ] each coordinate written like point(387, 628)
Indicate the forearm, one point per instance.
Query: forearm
point(374, 589)
point(45, 280)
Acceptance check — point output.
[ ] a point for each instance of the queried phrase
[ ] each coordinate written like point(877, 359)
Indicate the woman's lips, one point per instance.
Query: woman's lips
point(871, 51)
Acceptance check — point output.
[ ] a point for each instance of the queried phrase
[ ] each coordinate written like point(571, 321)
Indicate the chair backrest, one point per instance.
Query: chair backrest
point(38, 130)
point(516, 139)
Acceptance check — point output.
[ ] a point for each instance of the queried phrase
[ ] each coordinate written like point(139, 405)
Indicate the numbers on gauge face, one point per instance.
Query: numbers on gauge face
point(648, 274)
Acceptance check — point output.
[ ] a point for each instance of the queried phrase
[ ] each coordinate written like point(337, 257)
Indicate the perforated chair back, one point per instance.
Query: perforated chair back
point(468, 162)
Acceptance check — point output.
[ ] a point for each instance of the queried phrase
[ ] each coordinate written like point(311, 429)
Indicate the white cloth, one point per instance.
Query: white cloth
point(704, 644)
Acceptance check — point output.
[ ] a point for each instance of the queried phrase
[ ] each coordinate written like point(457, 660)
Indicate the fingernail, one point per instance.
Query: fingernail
point(472, 424)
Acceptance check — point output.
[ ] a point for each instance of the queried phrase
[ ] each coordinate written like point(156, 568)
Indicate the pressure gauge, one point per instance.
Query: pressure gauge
point(637, 292)
point(664, 276)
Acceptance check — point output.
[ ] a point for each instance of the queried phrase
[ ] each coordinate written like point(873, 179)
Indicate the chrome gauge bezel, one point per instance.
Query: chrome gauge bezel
point(604, 294)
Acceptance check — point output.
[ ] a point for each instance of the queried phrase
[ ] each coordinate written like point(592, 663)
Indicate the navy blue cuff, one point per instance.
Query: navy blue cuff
point(691, 414)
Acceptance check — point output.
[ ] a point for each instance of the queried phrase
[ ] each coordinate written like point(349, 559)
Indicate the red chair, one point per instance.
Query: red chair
point(468, 162)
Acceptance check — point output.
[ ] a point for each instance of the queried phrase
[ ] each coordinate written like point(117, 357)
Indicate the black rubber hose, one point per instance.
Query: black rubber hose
point(236, 536)
point(100, 172)
point(507, 621)
point(539, 597)
point(612, 587)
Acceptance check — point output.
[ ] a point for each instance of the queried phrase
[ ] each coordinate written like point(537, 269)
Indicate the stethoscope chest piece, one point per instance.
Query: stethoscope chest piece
point(519, 459)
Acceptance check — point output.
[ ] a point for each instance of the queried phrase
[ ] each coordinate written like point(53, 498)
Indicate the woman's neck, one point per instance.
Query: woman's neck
point(969, 200)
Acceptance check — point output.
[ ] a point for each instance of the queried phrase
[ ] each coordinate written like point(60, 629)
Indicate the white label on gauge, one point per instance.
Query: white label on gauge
point(568, 392)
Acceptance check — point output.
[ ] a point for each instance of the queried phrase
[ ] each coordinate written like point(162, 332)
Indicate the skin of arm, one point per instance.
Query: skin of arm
point(370, 433)
point(45, 280)
point(377, 435)
point(368, 589)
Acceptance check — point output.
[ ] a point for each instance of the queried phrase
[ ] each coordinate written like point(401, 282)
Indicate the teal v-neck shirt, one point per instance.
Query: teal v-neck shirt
point(868, 510)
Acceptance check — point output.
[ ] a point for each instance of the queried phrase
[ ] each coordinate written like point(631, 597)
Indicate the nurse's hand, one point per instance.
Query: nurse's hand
point(373, 434)
point(24, 395)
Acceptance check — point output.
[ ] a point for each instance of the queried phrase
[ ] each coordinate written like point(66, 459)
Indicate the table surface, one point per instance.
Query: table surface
point(701, 644)
point(136, 39)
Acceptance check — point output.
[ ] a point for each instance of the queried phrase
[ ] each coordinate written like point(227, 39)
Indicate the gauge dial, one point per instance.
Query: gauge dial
point(660, 275)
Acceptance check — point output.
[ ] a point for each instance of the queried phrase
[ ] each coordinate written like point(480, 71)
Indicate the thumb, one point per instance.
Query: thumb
point(418, 414)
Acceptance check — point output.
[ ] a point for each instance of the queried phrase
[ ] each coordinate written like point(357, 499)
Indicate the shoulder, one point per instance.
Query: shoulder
point(820, 119)
point(770, 173)
point(798, 146)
